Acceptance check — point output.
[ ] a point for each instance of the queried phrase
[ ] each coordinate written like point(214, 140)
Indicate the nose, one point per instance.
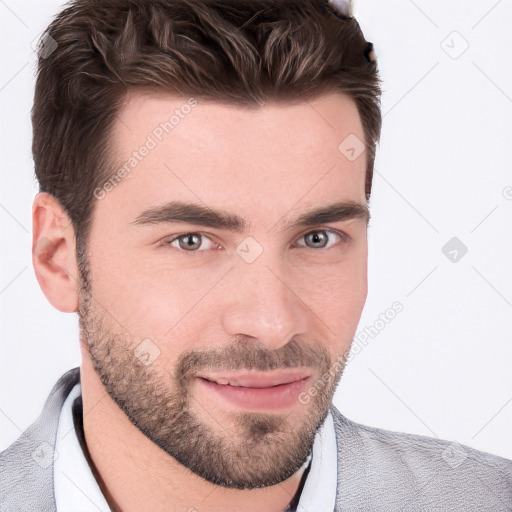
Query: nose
point(264, 306)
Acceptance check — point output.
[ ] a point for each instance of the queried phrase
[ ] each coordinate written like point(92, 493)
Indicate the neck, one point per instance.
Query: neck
point(135, 474)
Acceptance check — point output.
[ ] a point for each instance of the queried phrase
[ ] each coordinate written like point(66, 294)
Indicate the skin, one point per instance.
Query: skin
point(295, 305)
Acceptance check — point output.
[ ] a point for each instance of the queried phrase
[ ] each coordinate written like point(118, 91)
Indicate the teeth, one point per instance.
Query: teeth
point(226, 381)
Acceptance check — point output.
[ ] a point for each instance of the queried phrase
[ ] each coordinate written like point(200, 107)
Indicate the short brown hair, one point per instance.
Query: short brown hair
point(232, 51)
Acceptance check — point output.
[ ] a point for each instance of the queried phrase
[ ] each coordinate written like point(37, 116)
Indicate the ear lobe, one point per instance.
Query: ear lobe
point(54, 253)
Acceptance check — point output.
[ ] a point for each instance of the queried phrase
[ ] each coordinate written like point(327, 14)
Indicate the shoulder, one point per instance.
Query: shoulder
point(435, 473)
point(26, 466)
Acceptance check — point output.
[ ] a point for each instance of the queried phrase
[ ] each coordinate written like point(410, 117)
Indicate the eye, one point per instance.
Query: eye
point(194, 242)
point(190, 242)
point(319, 239)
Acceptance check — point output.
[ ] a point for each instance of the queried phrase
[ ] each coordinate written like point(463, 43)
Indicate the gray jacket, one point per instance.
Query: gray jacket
point(378, 470)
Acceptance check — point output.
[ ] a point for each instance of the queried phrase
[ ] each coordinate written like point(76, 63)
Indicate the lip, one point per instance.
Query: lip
point(255, 379)
point(269, 391)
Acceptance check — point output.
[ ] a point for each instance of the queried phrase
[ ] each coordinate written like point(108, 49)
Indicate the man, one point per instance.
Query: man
point(205, 170)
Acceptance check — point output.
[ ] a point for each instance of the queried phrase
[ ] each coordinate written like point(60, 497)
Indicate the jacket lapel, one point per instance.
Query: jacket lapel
point(26, 467)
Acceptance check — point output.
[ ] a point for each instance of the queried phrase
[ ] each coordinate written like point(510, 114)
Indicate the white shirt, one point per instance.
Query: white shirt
point(76, 489)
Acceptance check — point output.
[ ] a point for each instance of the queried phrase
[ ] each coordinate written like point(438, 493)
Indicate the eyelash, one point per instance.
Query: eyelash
point(343, 237)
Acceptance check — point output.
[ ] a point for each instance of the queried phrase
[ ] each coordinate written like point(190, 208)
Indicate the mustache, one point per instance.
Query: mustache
point(244, 353)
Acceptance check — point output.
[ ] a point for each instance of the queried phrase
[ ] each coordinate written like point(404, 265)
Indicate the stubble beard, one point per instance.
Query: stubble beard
point(255, 450)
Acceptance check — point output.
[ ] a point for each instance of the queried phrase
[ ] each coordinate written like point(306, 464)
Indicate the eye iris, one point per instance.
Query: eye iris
point(188, 246)
point(318, 237)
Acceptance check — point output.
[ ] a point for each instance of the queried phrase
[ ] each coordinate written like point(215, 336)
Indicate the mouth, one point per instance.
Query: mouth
point(256, 380)
point(255, 390)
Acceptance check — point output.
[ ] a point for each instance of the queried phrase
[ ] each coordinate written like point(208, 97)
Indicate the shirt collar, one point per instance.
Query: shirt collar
point(319, 492)
point(76, 488)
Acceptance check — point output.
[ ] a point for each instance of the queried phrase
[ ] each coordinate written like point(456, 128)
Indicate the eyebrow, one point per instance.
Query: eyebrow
point(192, 213)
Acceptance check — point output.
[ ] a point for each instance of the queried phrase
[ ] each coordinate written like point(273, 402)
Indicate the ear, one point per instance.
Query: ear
point(54, 253)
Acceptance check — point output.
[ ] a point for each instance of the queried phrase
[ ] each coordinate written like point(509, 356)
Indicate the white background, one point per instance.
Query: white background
point(442, 367)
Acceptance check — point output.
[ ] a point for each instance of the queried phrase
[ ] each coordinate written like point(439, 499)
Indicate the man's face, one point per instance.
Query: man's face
point(172, 307)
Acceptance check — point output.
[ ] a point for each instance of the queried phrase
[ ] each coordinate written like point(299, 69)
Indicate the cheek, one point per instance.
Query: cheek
point(336, 295)
point(126, 297)
point(341, 279)
point(339, 300)
point(151, 301)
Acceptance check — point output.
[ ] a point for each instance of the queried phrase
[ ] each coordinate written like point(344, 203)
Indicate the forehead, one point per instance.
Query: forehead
point(269, 158)
point(301, 124)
